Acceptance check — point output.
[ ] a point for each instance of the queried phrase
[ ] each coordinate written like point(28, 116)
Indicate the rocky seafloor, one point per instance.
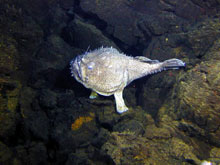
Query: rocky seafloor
point(46, 116)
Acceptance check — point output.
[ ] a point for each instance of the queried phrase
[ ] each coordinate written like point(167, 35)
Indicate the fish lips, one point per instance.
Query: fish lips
point(76, 69)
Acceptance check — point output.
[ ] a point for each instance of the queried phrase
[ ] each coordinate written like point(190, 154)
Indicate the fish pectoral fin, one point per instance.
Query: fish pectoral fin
point(147, 60)
point(120, 104)
point(93, 95)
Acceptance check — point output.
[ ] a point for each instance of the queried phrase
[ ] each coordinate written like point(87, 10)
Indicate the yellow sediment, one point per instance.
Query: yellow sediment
point(81, 120)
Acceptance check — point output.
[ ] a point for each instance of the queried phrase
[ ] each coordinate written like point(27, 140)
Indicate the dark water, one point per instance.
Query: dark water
point(46, 116)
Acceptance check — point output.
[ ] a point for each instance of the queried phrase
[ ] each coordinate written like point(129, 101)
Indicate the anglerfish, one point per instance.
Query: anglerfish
point(107, 71)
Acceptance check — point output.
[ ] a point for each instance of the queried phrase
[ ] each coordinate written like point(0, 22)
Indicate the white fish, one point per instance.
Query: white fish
point(108, 72)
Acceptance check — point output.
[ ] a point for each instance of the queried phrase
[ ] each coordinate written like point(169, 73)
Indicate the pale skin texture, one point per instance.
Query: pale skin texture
point(108, 72)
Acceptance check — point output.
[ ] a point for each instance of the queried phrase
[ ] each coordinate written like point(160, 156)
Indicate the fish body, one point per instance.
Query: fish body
point(107, 71)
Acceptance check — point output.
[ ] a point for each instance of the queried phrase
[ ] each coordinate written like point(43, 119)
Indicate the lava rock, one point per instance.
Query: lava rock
point(38, 153)
point(58, 19)
point(85, 36)
point(48, 99)
point(195, 100)
point(5, 154)
point(130, 126)
point(139, 150)
point(202, 36)
point(38, 125)
point(101, 138)
point(9, 55)
point(9, 98)
point(121, 19)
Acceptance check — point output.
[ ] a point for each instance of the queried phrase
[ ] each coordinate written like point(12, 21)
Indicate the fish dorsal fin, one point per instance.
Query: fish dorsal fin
point(142, 58)
point(145, 59)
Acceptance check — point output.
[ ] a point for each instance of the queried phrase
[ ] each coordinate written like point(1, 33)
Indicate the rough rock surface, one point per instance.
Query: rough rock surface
point(126, 148)
point(78, 31)
point(197, 98)
point(46, 116)
point(190, 46)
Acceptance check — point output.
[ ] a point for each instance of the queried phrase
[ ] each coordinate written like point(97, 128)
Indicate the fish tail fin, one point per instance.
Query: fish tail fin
point(173, 64)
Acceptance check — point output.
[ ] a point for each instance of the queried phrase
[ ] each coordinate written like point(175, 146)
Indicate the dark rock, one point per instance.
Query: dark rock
point(38, 154)
point(202, 36)
point(22, 153)
point(58, 19)
point(168, 46)
point(54, 53)
point(120, 17)
point(135, 22)
point(48, 99)
point(153, 132)
point(80, 157)
point(48, 14)
point(129, 126)
point(65, 100)
point(194, 44)
point(67, 5)
point(62, 136)
point(9, 55)
point(181, 150)
point(203, 103)
point(71, 129)
point(9, 100)
point(130, 95)
point(139, 150)
point(45, 117)
point(196, 99)
point(207, 6)
point(5, 154)
point(155, 90)
point(101, 138)
point(191, 129)
point(215, 152)
point(84, 130)
point(107, 117)
point(28, 38)
point(51, 67)
point(26, 99)
point(38, 125)
point(85, 36)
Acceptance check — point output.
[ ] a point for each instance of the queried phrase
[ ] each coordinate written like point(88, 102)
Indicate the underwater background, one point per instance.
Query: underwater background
point(46, 116)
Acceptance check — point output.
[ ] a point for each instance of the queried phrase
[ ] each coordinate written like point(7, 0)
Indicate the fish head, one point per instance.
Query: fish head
point(76, 68)
point(80, 67)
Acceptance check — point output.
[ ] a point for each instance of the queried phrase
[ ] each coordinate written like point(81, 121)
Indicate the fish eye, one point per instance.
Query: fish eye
point(90, 67)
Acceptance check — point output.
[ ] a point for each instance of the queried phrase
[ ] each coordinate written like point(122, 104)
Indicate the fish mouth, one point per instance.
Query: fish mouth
point(75, 67)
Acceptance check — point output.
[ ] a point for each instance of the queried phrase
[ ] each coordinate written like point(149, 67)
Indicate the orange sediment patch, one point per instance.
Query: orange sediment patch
point(81, 120)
